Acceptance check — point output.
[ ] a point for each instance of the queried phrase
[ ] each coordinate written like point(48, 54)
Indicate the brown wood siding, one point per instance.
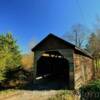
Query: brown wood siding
point(83, 69)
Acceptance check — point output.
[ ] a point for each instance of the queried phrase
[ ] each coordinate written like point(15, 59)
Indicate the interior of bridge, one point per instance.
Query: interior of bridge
point(52, 66)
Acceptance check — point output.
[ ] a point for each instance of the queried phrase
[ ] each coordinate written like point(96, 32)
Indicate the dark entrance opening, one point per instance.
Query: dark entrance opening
point(53, 69)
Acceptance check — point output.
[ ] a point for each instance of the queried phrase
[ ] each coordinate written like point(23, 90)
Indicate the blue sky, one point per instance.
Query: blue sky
point(31, 20)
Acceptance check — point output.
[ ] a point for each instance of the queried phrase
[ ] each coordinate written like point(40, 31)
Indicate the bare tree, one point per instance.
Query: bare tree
point(77, 35)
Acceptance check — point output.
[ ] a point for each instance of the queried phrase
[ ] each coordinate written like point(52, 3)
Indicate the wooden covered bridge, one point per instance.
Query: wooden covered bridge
point(61, 59)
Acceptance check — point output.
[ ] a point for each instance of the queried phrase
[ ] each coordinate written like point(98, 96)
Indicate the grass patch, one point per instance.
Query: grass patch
point(63, 95)
point(5, 93)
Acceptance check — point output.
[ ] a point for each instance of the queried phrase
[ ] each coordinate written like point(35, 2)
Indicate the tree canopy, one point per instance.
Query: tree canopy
point(9, 54)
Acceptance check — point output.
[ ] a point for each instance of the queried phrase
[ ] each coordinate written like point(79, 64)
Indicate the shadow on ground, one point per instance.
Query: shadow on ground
point(47, 84)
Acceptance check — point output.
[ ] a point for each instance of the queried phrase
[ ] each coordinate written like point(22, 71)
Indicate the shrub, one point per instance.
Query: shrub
point(91, 91)
point(17, 78)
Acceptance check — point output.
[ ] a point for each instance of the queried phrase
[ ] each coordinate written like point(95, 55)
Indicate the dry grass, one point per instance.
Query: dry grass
point(63, 95)
point(7, 93)
point(39, 95)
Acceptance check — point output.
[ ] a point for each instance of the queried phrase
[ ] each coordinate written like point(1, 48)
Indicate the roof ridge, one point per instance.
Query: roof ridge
point(66, 42)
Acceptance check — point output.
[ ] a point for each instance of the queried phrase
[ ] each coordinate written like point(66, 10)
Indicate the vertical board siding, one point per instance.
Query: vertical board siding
point(83, 70)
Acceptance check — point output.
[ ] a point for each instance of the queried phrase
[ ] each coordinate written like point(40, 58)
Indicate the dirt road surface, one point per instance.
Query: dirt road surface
point(31, 95)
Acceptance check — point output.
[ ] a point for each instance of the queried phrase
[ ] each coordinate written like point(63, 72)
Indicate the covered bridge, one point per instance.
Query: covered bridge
point(61, 59)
